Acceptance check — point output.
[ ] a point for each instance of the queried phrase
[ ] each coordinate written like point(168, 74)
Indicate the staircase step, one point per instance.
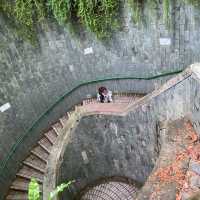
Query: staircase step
point(28, 173)
point(33, 166)
point(63, 120)
point(45, 144)
point(40, 153)
point(51, 136)
point(21, 184)
point(57, 127)
point(34, 160)
point(46, 149)
point(28, 177)
point(69, 113)
point(17, 196)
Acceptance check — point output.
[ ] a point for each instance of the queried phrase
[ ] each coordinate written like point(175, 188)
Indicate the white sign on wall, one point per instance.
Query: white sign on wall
point(165, 41)
point(88, 51)
point(5, 107)
point(71, 68)
point(85, 157)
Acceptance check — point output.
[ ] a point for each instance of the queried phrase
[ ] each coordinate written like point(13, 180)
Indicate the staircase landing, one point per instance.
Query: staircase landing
point(119, 104)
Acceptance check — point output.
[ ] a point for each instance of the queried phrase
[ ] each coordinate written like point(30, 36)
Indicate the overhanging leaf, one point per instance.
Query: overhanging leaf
point(33, 190)
point(59, 189)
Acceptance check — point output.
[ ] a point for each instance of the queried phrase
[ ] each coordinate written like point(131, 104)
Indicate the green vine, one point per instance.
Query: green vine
point(62, 9)
point(137, 7)
point(24, 16)
point(195, 3)
point(98, 16)
point(166, 12)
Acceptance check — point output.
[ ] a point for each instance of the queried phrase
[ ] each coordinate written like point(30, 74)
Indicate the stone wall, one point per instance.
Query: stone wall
point(105, 146)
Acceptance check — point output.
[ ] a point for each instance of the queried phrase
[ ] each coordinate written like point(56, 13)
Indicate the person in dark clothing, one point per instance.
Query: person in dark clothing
point(102, 92)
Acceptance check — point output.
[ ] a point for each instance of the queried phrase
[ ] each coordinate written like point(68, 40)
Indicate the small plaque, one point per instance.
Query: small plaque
point(5, 107)
point(88, 51)
point(71, 68)
point(85, 157)
point(165, 41)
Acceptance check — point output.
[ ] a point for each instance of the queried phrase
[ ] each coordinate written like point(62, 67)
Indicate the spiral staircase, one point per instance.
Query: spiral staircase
point(35, 164)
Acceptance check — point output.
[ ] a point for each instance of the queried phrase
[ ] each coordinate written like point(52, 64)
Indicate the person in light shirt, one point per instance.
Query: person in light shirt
point(104, 95)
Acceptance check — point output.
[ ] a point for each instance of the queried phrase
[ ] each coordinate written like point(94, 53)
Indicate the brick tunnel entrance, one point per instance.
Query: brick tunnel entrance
point(115, 188)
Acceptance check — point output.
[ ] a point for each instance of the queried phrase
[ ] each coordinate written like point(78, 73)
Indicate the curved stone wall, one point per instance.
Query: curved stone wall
point(106, 146)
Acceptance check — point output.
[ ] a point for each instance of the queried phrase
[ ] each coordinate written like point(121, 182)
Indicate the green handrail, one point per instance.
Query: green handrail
point(4, 162)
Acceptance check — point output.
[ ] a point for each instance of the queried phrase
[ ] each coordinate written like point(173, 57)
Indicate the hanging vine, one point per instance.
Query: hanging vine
point(137, 10)
point(166, 12)
point(62, 9)
point(98, 16)
point(24, 15)
point(195, 3)
point(101, 17)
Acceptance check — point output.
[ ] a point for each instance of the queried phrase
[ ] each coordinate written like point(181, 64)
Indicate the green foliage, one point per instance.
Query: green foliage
point(24, 16)
point(195, 3)
point(61, 9)
point(59, 189)
point(29, 12)
point(6, 7)
point(34, 190)
point(100, 16)
point(137, 7)
point(166, 10)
